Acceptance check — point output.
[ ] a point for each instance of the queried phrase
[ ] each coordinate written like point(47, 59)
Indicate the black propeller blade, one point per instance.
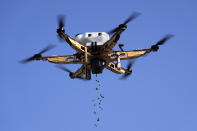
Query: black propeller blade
point(70, 72)
point(161, 42)
point(129, 65)
point(61, 21)
point(35, 56)
point(129, 70)
point(131, 17)
point(64, 69)
point(124, 24)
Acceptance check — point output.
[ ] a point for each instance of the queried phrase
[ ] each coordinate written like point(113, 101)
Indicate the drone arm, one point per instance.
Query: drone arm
point(84, 69)
point(79, 73)
point(124, 55)
point(74, 44)
point(71, 59)
point(113, 67)
point(107, 46)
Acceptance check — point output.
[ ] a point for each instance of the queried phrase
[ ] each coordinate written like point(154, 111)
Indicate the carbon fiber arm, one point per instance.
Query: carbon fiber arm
point(71, 59)
point(124, 55)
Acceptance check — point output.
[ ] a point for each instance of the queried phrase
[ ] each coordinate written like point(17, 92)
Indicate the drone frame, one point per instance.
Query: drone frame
point(84, 54)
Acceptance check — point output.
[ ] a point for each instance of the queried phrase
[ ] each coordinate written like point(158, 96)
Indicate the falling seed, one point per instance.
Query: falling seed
point(100, 107)
point(101, 96)
point(98, 119)
point(97, 88)
point(99, 103)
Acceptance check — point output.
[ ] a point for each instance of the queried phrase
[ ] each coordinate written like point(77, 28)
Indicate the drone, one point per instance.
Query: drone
point(94, 51)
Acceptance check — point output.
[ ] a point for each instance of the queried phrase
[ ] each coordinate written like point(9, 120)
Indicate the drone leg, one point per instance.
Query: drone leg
point(119, 63)
point(78, 73)
point(87, 72)
point(86, 56)
point(120, 46)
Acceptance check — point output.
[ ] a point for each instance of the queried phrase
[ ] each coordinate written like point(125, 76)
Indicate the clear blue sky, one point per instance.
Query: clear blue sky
point(161, 95)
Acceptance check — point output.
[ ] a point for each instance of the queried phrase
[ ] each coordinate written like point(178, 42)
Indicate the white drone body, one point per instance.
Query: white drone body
point(92, 38)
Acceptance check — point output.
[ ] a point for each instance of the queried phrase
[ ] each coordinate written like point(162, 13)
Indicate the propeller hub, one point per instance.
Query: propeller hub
point(71, 75)
point(60, 30)
point(155, 48)
point(123, 27)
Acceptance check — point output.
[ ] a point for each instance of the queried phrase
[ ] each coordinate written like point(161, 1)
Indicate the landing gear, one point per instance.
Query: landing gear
point(120, 46)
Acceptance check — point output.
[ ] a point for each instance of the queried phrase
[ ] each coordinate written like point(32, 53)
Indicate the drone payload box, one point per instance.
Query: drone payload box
point(92, 37)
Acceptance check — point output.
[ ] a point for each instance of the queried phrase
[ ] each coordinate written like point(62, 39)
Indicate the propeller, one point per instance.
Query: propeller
point(65, 69)
point(161, 42)
point(70, 72)
point(124, 24)
point(36, 56)
point(61, 21)
point(129, 70)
